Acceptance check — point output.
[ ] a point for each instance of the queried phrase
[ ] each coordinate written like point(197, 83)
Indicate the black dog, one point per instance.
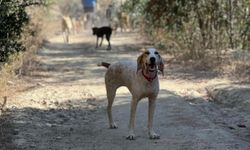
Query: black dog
point(100, 32)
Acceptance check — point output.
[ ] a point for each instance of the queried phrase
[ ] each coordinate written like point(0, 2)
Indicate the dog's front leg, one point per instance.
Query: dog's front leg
point(97, 42)
point(131, 133)
point(151, 109)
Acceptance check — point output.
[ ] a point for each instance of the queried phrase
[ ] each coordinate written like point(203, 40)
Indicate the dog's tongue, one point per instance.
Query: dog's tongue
point(151, 71)
point(151, 67)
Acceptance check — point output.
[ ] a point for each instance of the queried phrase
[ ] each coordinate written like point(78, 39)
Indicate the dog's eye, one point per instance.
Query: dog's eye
point(147, 52)
point(156, 53)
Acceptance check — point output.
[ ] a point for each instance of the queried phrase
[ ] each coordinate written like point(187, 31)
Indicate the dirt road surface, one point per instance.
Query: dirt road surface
point(60, 104)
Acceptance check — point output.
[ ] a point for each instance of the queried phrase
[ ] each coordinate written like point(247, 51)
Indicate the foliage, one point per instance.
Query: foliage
point(71, 8)
point(135, 9)
point(196, 26)
point(13, 18)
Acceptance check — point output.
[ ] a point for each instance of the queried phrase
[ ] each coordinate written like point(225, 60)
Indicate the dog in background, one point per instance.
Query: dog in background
point(67, 28)
point(124, 21)
point(100, 32)
point(141, 79)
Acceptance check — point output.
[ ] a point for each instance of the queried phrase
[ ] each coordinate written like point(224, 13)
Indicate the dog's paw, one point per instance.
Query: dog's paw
point(154, 136)
point(113, 126)
point(130, 137)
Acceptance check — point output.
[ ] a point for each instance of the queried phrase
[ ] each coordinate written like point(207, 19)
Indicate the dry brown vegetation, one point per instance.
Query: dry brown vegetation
point(19, 63)
point(61, 102)
point(204, 34)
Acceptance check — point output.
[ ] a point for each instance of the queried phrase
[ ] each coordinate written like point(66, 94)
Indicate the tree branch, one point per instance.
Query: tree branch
point(26, 4)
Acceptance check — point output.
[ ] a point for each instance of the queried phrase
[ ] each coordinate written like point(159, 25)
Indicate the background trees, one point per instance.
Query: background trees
point(195, 26)
point(13, 19)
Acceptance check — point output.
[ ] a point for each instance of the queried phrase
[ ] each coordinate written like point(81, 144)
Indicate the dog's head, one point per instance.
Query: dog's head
point(150, 60)
point(94, 29)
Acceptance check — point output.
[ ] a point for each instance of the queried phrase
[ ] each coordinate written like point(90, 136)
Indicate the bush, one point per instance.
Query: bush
point(196, 25)
point(13, 18)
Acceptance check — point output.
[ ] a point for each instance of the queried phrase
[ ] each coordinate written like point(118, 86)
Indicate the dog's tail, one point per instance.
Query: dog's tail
point(104, 64)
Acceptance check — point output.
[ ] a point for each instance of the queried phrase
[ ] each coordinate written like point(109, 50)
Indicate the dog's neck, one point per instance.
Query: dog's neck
point(149, 76)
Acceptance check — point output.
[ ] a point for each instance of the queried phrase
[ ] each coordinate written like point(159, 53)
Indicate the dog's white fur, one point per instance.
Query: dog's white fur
point(129, 74)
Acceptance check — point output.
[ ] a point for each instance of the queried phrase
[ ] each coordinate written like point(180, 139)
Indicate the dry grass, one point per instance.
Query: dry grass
point(19, 63)
point(5, 74)
point(233, 64)
point(189, 52)
point(238, 65)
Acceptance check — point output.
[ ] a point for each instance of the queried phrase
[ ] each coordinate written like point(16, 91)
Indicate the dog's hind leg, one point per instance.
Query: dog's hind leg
point(101, 42)
point(66, 36)
point(108, 39)
point(111, 92)
point(96, 46)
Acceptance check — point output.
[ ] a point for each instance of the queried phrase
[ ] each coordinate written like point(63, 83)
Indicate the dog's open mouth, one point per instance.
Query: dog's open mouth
point(151, 67)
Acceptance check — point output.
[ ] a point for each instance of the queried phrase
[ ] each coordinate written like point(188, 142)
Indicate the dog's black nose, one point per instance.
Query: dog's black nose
point(152, 59)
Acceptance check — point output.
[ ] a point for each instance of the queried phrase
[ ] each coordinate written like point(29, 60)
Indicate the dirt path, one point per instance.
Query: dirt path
point(62, 105)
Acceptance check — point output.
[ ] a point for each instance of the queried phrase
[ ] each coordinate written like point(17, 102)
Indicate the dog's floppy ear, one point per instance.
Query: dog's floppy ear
point(140, 62)
point(161, 65)
point(142, 49)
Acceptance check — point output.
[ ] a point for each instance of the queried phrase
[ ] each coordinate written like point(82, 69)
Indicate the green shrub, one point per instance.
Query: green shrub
point(13, 18)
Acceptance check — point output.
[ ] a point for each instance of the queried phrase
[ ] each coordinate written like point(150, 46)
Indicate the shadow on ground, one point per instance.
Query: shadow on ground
point(82, 124)
point(61, 63)
point(85, 127)
point(74, 124)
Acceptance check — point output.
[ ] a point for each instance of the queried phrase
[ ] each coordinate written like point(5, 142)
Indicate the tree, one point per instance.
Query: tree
point(198, 25)
point(13, 17)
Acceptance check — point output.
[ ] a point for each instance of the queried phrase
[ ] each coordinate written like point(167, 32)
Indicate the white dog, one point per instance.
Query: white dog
point(142, 81)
